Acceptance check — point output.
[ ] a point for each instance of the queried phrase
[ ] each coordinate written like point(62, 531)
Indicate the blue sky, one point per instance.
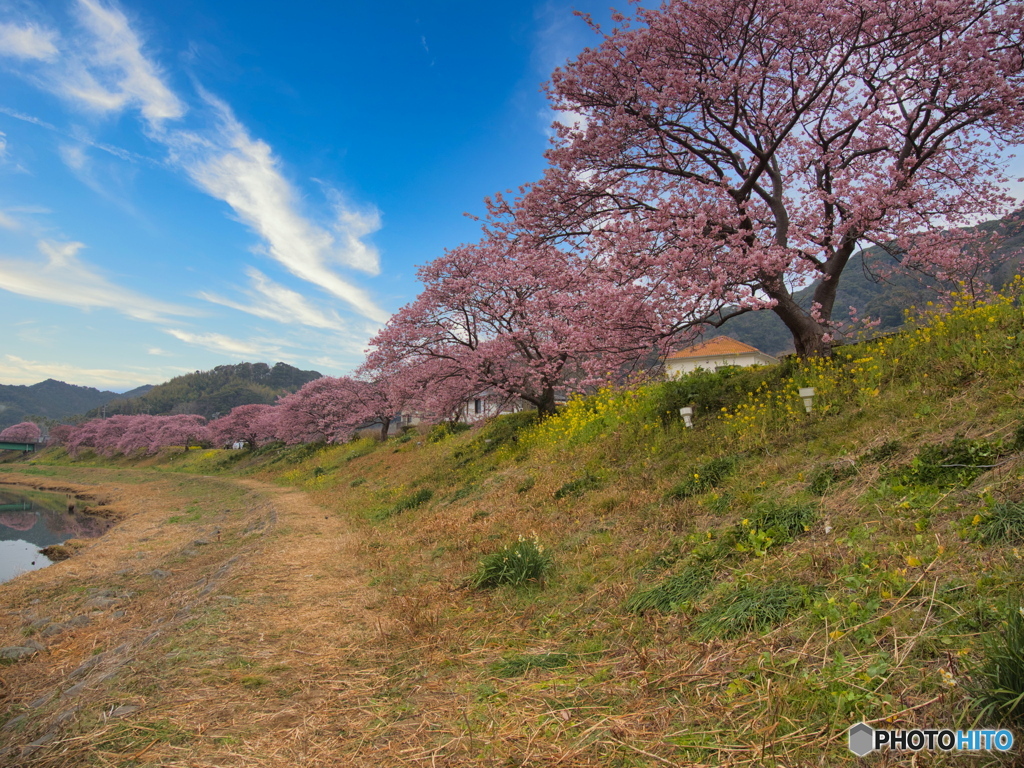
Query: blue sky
point(189, 184)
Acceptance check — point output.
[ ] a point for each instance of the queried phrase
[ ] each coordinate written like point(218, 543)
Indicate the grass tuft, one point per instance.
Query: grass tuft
point(674, 592)
point(704, 478)
point(749, 609)
point(998, 682)
point(518, 665)
point(1004, 524)
point(523, 562)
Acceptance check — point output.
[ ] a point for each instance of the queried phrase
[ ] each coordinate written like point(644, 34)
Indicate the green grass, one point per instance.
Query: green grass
point(746, 609)
point(675, 591)
point(518, 665)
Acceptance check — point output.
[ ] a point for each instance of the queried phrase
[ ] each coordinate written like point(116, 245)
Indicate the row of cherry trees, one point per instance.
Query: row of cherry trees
point(324, 410)
point(712, 158)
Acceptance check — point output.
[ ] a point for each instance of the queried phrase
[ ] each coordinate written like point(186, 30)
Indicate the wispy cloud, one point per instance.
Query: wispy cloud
point(218, 342)
point(103, 67)
point(16, 370)
point(273, 301)
point(62, 278)
point(230, 165)
point(28, 42)
point(109, 72)
point(26, 118)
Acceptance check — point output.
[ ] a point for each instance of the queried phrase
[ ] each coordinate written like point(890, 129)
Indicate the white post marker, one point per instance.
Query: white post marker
point(807, 394)
point(687, 414)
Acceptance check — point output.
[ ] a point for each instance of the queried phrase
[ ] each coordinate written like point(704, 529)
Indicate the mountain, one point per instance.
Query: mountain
point(212, 393)
point(50, 400)
point(876, 297)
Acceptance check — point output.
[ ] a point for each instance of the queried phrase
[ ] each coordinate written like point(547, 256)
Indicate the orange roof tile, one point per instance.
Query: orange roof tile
point(720, 345)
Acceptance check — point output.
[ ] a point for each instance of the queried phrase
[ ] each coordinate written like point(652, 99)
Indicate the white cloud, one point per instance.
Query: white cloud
point(159, 352)
point(16, 370)
point(111, 72)
point(28, 42)
point(106, 70)
point(64, 279)
point(8, 222)
point(273, 301)
point(218, 342)
point(244, 173)
point(74, 156)
point(26, 118)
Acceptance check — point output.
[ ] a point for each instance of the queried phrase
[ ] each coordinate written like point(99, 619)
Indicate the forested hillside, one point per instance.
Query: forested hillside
point(52, 400)
point(215, 392)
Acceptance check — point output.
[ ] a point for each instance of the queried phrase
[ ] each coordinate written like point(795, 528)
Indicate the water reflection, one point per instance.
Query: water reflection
point(32, 520)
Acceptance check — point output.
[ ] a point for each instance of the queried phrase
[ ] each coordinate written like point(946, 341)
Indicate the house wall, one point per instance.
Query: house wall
point(680, 367)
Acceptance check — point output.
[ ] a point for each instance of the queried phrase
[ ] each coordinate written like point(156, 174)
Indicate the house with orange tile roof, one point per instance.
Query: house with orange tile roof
point(713, 354)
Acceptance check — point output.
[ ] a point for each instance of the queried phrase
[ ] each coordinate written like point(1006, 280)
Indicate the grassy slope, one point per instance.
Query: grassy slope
point(835, 573)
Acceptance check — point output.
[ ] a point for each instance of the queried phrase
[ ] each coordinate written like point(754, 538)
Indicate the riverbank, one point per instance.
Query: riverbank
point(219, 619)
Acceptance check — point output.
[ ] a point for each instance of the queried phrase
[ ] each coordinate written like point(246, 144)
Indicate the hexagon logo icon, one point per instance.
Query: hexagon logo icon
point(862, 739)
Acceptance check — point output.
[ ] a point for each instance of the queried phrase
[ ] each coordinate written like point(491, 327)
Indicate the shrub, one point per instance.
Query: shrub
point(444, 430)
point(679, 588)
point(998, 681)
point(749, 609)
point(704, 478)
point(523, 562)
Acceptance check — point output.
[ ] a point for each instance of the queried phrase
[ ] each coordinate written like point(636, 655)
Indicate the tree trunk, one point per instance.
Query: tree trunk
point(384, 427)
point(546, 403)
point(808, 333)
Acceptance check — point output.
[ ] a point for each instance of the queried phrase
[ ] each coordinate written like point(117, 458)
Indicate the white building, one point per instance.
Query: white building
point(719, 352)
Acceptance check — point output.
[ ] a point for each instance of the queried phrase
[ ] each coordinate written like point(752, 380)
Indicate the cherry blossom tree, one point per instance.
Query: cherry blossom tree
point(249, 424)
point(60, 434)
point(185, 429)
point(25, 432)
point(520, 316)
point(762, 143)
point(320, 411)
point(140, 434)
point(102, 435)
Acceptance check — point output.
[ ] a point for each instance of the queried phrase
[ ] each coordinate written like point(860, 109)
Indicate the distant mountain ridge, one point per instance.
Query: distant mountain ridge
point(52, 400)
point(212, 393)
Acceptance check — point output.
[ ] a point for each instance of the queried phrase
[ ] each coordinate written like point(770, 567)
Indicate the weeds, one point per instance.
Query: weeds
point(412, 501)
point(825, 477)
point(579, 486)
point(951, 464)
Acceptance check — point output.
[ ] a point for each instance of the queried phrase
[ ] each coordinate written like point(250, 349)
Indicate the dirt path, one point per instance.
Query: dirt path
point(220, 623)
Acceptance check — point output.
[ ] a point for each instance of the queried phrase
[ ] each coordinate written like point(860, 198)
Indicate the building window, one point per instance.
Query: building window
point(478, 406)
